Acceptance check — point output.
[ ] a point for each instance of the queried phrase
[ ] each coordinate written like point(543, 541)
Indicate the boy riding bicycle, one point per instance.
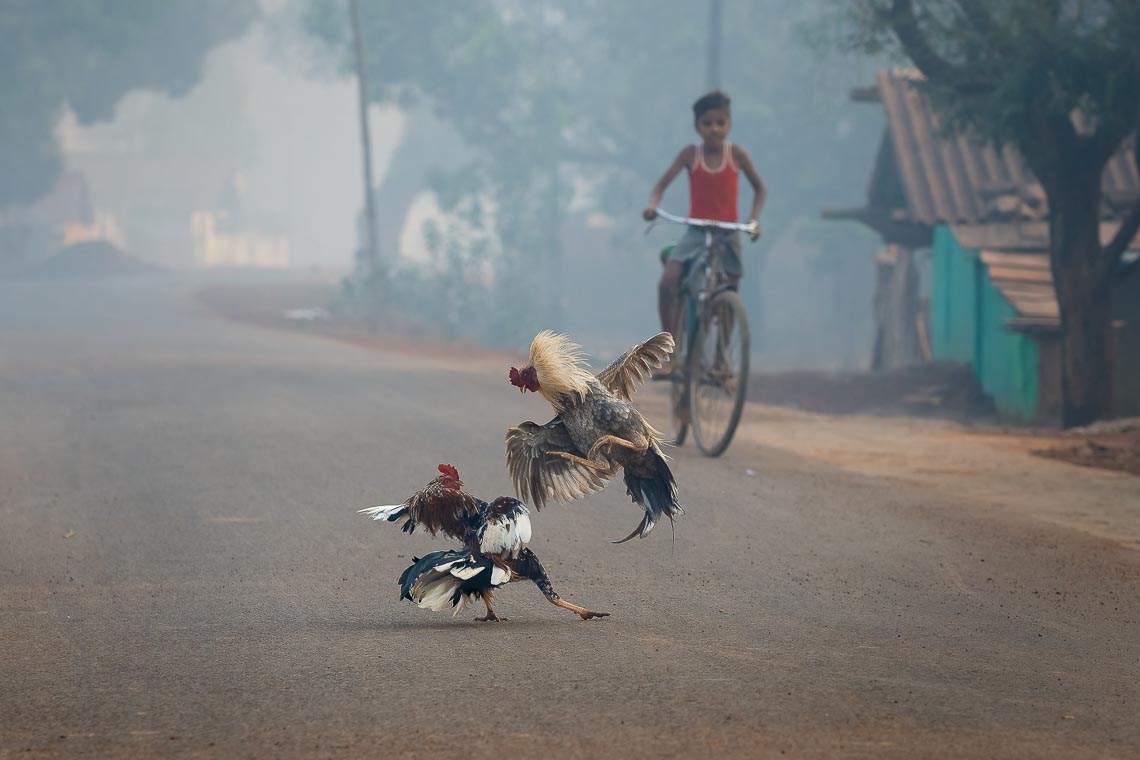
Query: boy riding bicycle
point(714, 166)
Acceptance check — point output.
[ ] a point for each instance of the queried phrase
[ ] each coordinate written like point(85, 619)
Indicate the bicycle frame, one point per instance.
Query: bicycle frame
point(705, 285)
point(711, 274)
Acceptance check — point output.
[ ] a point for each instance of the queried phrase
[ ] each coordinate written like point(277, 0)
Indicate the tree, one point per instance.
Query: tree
point(584, 102)
point(87, 54)
point(1060, 80)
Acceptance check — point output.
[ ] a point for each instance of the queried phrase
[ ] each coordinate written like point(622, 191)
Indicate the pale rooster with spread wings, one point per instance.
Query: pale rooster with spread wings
point(494, 550)
point(595, 431)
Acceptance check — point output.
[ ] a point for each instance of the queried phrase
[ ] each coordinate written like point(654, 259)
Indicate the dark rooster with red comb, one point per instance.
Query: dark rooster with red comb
point(494, 553)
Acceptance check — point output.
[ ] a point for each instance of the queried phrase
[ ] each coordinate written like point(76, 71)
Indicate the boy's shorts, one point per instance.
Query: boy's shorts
point(725, 242)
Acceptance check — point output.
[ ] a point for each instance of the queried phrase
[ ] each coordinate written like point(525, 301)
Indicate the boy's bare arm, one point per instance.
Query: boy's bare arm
point(744, 161)
point(683, 159)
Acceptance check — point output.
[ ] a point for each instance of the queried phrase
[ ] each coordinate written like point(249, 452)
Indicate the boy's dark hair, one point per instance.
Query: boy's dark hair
point(710, 101)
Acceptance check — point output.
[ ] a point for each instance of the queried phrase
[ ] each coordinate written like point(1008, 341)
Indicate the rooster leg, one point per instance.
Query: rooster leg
point(491, 616)
point(582, 461)
point(585, 613)
point(528, 565)
point(612, 440)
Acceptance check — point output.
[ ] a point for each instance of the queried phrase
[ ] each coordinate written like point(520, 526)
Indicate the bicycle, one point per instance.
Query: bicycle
point(711, 381)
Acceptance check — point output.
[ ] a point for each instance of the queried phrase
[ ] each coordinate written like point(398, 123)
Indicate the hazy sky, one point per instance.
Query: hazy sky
point(292, 138)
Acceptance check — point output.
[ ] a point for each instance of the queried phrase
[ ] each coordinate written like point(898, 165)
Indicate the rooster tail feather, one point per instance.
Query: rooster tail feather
point(390, 512)
point(654, 491)
point(450, 578)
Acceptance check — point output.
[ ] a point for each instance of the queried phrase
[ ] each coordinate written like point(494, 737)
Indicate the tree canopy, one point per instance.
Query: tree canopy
point(999, 66)
point(570, 103)
point(87, 54)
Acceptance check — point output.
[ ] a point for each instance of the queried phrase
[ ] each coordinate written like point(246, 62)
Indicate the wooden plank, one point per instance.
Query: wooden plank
point(1036, 261)
point(1005, 236)
point(1035, 309)
point(1021, 273)
point(897, 341)
point(1028, 295)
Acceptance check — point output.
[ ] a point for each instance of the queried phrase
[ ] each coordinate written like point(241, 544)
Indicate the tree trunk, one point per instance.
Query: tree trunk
point(1081, 277)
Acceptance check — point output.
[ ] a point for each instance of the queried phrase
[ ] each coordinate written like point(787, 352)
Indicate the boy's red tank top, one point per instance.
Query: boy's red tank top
point(712, 193)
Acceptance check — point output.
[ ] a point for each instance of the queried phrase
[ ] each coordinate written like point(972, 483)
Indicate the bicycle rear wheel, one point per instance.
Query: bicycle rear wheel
point(718, 373)
point(679, 385)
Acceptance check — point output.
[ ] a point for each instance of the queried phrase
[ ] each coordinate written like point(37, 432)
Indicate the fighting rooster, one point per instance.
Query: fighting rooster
point(494, 550)
point(595, 430)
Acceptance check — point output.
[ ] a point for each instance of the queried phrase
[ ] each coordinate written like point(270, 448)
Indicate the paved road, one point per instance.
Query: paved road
point(182, 573)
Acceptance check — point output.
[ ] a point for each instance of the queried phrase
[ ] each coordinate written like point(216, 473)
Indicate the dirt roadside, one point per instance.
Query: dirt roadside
point(992, 466)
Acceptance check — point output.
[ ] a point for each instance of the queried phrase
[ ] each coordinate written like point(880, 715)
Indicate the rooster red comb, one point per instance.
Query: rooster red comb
point(526, 380)
point(450, 471)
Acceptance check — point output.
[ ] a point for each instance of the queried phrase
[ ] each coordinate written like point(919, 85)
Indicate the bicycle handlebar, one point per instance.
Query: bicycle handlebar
point(734, 226)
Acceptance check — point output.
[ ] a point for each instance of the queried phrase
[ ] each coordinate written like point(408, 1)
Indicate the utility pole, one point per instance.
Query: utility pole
point(372, 254)
point(712, 72)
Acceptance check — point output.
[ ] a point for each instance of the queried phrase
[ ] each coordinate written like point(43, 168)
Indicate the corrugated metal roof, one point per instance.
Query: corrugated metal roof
point(961, 179)
point(1017, 260)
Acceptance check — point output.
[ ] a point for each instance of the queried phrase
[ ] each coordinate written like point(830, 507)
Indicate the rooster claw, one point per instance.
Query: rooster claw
point(590, 614)
point(492, 618)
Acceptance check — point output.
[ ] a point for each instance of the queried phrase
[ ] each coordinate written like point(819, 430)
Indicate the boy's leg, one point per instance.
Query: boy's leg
point(731, 263)
point(668, 308)
point(669, 295)
point(686, 248)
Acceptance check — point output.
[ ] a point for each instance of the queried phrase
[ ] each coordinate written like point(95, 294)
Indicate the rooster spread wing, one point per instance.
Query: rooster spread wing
point(631, 368)
point(538, 475)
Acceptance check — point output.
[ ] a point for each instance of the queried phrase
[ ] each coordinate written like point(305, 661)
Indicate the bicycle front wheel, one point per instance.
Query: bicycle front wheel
point(718, 373)
point(679, 384)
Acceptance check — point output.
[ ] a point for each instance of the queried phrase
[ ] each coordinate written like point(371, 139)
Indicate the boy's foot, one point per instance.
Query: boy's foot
point(723, 373)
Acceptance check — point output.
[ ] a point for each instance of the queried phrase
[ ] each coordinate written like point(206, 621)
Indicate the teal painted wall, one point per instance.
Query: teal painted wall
point(967, 324)
point(1005, 362)
point(953, 299)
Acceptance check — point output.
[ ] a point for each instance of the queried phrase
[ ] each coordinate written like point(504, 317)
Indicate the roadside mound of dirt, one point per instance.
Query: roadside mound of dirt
point(1113, 445)
point(92, 258)
point(942, 390)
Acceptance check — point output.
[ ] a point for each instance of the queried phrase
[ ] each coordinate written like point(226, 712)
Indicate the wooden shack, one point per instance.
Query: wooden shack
point(964, 274)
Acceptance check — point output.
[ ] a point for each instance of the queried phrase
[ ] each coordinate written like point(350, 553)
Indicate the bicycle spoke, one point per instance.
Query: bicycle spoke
point(721, 366)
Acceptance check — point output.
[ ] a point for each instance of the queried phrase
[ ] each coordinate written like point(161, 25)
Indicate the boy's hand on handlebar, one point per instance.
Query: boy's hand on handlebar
point(755, 234)
point(649, 214)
